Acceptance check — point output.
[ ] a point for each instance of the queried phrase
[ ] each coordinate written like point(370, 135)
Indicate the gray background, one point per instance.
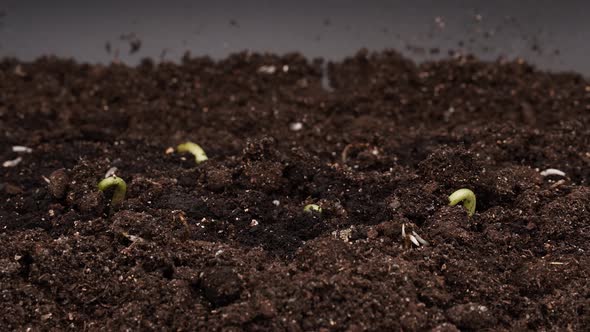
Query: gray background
point(554, 35)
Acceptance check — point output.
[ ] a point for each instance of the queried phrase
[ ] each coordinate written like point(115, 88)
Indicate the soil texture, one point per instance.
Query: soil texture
point(226, 245)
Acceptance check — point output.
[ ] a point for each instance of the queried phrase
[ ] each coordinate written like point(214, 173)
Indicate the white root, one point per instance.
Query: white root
point(20, 148)
point(12, 163)
point(552, 171)
point(414, 241)
point(420, 239)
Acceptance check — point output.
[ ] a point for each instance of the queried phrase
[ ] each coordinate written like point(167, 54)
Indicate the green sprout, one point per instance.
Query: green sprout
point(467, 197)
point(120, 188)
point(194, 149)
point(312, 208)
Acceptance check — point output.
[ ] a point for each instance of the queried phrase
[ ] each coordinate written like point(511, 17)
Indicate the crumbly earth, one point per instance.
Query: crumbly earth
point(225, 245)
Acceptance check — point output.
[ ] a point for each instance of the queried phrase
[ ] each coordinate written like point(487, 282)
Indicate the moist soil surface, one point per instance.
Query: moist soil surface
point(226, 244)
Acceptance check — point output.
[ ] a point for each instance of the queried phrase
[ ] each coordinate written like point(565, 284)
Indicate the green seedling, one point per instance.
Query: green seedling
point(194, 149)
point(120, 188)
point(467, 197)
point(312, 208)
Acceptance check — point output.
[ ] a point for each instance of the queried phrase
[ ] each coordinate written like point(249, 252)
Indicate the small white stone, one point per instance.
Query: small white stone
point(296, 126)
point(285, 68)
point(254, 223)
point(276, 202)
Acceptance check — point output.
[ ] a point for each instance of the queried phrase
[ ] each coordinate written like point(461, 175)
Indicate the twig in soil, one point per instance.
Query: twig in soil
point(194, 149)
point(310, 208)
point(120, 188)
point(467, 197)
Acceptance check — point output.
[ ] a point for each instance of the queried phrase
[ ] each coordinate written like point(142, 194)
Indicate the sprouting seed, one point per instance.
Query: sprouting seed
point(120, 188)
point(420, 239)
point(416, 239)
point(467, 197)
point(312, 208)
point(194, 149)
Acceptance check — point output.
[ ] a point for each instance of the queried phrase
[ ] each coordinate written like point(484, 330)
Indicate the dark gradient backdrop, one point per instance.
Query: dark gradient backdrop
point(554, 35)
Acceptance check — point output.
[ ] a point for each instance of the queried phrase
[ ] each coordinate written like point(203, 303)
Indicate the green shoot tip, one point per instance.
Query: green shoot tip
point(120, 188)
point(467, 197)
point(312, 208)
point(194, 149)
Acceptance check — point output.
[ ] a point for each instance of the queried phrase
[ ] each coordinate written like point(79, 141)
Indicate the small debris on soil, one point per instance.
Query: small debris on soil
point(267, 69)
point(18, 71)
point(111, 172)
point(58, 183)
point(92, 202)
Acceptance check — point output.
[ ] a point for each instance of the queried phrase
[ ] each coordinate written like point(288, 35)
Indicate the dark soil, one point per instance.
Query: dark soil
point(225, 245)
